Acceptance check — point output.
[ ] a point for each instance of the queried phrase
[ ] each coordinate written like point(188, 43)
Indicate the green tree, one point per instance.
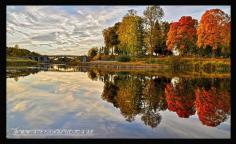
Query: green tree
point(116, 40)
point(111, 38)
point(16, 46)
point(17, 52)
point(157, 35)
point(107, 40)
point(165, 26)
point(152, 16)
point(92, 52)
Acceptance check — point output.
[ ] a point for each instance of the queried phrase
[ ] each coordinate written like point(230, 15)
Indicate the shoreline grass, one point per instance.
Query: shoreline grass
point(13, 61)
point(174, 63)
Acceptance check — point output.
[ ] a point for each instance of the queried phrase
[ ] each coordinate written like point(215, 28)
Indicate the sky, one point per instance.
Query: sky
point(73, 30)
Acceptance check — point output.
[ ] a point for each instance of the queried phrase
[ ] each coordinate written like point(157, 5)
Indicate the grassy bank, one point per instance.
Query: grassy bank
point(171, 64)
point(14, 61)
point(174, 63)
point(159, 72)
point(194, 64)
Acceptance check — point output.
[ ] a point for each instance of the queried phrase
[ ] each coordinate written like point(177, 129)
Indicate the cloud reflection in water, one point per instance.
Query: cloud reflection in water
point(52, 100)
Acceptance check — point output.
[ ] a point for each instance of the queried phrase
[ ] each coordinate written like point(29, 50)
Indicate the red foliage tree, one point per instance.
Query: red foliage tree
point(171, 36)
point(182, 34)
point(212, 105)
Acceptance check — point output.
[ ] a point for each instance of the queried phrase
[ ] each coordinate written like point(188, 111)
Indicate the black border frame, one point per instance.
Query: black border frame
point(5, 3)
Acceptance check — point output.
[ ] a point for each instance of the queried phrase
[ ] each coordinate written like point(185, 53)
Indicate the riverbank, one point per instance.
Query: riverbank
point(98, 71)
point(172, 63)
point(159, 72)
point(14, 61)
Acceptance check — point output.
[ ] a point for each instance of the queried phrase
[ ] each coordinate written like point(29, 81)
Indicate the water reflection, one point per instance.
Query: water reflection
point(16, 72)
point(148, 95)
point(137, 96)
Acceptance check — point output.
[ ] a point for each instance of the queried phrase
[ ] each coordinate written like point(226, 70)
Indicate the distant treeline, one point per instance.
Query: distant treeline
point(138, 36)
point(19, 52)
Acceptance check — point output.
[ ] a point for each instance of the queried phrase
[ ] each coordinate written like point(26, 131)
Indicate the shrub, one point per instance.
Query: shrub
point(123, 58)
point(97, 57)
point(150, 61)
point(107, 57)
point(21, 62)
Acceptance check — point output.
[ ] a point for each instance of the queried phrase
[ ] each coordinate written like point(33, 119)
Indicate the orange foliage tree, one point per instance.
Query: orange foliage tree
point(214, 30)
point(182, 34)
point(212, 105)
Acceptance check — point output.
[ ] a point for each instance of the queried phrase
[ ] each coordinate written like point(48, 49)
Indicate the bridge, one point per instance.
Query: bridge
point(47, 58)
point(41, 59)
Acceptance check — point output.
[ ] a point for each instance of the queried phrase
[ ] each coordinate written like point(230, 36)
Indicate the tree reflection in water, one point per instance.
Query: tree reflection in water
point(180, 98)
point(146, 95)
point(213, 106)
point(137, 94)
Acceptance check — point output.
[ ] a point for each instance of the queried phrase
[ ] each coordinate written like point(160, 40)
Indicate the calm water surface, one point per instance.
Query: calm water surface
point(116, 104)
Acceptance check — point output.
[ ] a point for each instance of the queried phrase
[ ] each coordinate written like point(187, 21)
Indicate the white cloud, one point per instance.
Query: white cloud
point(174, 13)
point(53, 29)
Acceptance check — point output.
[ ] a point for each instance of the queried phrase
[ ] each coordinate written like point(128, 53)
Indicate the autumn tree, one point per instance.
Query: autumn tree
point(214, 31)
point(152, 16)
point(182, 35)
point(130, 34)
point(171, 41)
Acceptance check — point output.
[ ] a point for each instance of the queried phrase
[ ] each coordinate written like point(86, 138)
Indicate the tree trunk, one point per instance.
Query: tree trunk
point(150, 56)
point(213, 53)
point(112, 50)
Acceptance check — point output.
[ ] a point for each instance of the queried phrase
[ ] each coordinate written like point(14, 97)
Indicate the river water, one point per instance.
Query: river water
point(80, 103)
